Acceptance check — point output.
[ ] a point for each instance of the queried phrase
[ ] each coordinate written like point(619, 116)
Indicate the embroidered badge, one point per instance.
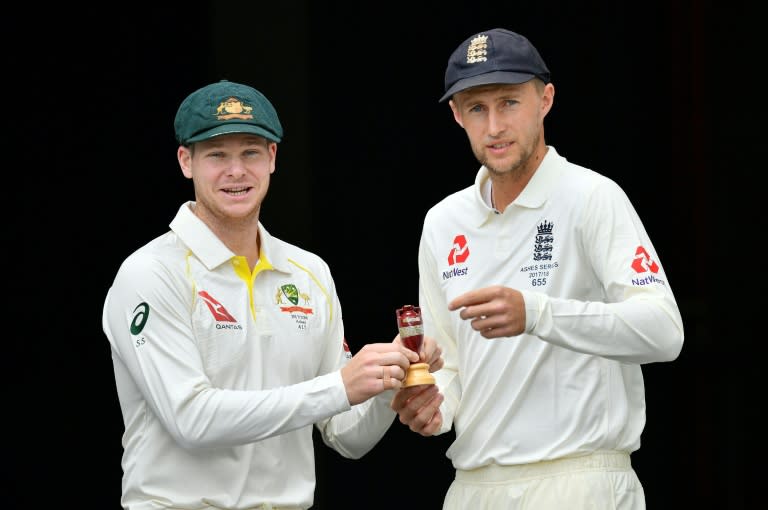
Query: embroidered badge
point(542, 249)
point(540, 273)
point(233, 108)
point(477, 50)
point(292, 294)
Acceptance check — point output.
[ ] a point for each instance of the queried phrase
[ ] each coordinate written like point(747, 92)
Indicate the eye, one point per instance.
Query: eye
point(476, 108)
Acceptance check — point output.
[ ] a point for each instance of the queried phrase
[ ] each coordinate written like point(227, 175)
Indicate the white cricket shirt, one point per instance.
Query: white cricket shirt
point(598, 305)
point(221, 372)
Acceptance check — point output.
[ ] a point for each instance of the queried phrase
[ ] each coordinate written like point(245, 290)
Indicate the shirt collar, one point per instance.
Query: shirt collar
point(534, 194)
point(209, 249)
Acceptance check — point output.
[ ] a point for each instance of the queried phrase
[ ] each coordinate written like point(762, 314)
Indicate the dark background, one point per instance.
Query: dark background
point(661, 96)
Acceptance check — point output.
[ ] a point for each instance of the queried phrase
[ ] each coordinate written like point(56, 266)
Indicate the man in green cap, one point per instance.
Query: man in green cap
point(228, 343)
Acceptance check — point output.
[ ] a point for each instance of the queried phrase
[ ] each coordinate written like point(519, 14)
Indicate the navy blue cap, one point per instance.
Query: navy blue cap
point(494, 56)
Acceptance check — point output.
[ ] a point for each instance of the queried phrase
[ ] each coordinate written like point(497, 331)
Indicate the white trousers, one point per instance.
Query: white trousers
point(600, 481)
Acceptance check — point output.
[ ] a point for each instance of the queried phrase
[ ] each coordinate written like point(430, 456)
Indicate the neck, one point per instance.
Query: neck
point(240, 235)
point(507, 186)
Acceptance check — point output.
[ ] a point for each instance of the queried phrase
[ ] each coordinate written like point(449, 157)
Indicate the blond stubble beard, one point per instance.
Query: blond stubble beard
point(517, 168)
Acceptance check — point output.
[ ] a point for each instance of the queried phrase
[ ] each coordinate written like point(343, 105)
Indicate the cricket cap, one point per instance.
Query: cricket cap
point(224, 108)
point(493, 56)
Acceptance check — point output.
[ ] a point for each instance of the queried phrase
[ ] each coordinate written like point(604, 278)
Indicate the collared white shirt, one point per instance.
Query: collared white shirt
point(221, 372)
point(598, 305)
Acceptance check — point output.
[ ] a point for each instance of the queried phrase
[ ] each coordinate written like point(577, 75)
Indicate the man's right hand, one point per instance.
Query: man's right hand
point(419, 408)
point(376, 368)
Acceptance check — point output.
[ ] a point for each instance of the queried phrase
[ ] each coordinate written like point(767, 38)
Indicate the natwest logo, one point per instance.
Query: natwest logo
point(460, 251)
point(643, 262)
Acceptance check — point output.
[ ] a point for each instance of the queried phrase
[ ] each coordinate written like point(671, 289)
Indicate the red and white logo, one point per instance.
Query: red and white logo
point(460, 251)
point(217, 309)
point(643, 262)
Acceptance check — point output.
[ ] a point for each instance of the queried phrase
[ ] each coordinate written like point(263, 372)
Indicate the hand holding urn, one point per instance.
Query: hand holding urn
point(412, 335)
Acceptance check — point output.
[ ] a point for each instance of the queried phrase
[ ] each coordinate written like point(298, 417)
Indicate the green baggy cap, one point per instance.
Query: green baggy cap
point(224, 108)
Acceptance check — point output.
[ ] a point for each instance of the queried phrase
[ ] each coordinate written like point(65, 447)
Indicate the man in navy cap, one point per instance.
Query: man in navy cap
point(228, 343)
point(546, 294)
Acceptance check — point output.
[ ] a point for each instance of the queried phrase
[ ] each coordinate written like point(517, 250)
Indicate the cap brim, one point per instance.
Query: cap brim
point(487, 79)
point(233, 128)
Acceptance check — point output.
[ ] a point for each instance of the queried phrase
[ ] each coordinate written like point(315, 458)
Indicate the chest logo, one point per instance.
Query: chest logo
point(290, 293)
point(542, 249)
point(460, 251)
point(217, 309)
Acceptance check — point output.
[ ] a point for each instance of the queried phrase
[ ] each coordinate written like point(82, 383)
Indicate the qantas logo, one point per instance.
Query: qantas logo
point(217, 309)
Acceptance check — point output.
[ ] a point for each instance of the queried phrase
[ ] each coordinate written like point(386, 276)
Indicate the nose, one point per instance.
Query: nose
point(237, 167)
point(495, 123)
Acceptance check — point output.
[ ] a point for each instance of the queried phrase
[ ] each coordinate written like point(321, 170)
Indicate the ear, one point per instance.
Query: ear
point(456, 114)
point(184, 155)
point(272, 157)
point(547, 99)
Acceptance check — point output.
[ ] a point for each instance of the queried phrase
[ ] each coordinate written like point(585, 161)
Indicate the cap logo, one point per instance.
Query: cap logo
point(234, 108)
point(477, 50)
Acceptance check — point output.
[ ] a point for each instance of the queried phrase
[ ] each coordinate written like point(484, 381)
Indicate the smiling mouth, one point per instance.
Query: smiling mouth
point(236, 191)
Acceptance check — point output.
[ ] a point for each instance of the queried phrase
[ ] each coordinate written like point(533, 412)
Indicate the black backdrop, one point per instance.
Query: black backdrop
point(660, 96)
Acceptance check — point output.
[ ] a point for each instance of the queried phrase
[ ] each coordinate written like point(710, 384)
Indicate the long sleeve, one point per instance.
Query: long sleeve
point(638, 321)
